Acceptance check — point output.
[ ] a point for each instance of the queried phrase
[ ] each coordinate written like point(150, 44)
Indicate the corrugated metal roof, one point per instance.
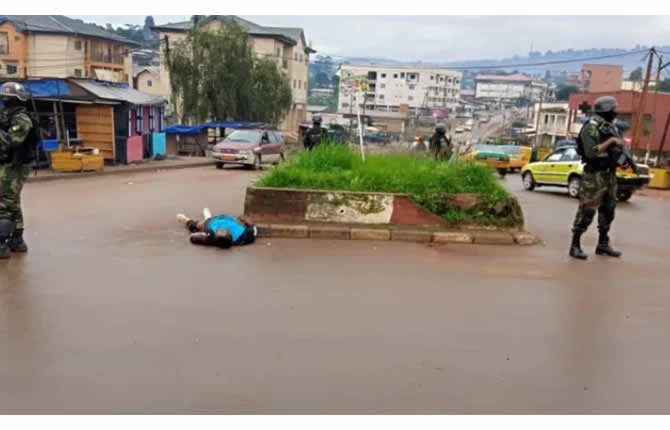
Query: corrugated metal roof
point(117, 93)
point(61, 24)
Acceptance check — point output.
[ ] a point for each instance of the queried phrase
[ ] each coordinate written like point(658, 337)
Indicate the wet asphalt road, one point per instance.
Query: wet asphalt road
point(113, 311)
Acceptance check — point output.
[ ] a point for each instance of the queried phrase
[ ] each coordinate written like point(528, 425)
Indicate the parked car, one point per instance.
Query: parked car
point(249, 147)
point(564, 168)
point(519, 156)
point(459, 130)
point(337, 133)
point(376, 138)
point(487, 155)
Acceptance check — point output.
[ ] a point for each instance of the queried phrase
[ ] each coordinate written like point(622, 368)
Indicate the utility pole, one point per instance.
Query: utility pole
point(638, 124)
point(660, 149)
point(653, 133)
point(537, 121)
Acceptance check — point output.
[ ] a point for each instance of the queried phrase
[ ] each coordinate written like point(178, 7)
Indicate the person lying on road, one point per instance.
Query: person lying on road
point(223, 231)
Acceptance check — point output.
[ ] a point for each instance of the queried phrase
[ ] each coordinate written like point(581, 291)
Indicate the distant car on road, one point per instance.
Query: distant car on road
point(491, 156)
point(376, 138)
point(250, 148)
point(459, 130)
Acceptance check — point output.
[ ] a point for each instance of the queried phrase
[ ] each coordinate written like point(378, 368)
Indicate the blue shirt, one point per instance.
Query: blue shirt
point(231, 224)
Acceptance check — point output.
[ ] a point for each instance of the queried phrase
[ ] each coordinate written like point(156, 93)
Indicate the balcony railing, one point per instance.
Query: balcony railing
point(110, 59)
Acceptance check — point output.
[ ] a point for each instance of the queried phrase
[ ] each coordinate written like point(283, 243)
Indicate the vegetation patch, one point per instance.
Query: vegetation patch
point(431, 184)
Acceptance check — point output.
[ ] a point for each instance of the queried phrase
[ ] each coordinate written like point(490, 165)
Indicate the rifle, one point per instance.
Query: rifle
point(619, 155)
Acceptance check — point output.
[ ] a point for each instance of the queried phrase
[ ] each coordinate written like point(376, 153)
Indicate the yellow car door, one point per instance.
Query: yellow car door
point(569, 161)
point(548, 168)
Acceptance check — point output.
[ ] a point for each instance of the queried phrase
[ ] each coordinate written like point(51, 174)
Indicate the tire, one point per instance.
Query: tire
point(624, 196)
point(219, 165)
point(528, 181)
point(574, 186)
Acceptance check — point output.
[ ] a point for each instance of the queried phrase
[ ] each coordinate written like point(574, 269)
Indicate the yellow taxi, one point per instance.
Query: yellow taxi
point(492, 156)
point(519, 156)
point(564, 168)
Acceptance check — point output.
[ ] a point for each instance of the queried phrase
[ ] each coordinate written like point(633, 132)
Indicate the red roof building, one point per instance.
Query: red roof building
point(627, 103)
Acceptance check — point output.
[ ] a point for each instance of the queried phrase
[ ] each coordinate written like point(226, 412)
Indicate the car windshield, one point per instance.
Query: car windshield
point(244, 136)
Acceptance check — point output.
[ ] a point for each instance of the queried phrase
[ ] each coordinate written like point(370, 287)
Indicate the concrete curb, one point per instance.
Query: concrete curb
point(343, 232)
point(122, 171)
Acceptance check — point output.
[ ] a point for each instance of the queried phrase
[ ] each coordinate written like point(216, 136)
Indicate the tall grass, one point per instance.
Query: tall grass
point(336, 167)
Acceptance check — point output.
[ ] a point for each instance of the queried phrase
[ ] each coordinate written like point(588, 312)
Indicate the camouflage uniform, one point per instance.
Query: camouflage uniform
point(436, 146)
point(599, 186)
point(314, 136)
point(13, 172)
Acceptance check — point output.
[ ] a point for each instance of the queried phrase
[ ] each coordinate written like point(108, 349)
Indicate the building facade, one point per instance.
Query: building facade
point(287, 46)
point(510, 87)
point(394, 89)
point(54, 46)
point(596, 78)
point(553, 124)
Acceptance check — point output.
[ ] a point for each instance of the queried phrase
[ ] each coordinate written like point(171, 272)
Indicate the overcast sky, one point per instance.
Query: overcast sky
point(446, 38)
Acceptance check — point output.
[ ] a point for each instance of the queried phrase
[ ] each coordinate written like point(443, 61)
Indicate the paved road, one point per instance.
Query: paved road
point(114, 312)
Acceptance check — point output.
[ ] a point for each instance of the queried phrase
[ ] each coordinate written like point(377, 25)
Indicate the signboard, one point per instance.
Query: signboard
point(404, 108)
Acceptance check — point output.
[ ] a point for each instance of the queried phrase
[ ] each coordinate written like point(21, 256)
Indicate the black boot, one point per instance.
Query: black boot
point(576, 247)
point(604, 247)
point(5, 230)
point(16, 242)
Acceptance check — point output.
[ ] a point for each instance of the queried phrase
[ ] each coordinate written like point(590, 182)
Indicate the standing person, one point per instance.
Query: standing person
point(222, 231)
point(315, 134)
point(15, 154)
point(599, 183)
point(436, 143)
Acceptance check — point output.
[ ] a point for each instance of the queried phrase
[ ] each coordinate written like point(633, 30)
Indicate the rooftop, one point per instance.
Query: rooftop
point(59, 24)
point(404, 67)
point(290, 35)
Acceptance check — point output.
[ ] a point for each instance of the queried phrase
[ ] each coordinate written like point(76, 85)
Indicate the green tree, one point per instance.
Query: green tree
point(215, 76)
point(664, 86)
point(563, 93)
point(635, 75)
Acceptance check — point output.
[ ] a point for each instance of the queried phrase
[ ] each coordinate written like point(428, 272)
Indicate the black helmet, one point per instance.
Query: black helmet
point(13, 90)
point(316, 120)
point(605, 104)
point(440, 129)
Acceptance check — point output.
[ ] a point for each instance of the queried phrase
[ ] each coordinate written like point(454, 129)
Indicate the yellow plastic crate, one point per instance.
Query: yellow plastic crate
point(75, 162)
point(659, 178)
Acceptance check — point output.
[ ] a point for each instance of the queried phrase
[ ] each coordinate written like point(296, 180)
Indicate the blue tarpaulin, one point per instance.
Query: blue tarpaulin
point(47, 88)
point(197, 129)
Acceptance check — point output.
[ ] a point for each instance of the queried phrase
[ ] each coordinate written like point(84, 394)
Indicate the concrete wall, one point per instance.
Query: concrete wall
point(150, 83)
point(601, 77)
point(55, 56)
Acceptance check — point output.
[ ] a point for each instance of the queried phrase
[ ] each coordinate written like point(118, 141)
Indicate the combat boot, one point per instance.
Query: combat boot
point(16, 242)
point(604, 247)
point(576, 247)
point(5, 231)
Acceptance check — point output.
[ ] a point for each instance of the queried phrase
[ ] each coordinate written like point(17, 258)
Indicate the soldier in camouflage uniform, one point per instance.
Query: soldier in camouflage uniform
point(435, 142)
point(599, 183)
point(315, 134)
point(15, 125)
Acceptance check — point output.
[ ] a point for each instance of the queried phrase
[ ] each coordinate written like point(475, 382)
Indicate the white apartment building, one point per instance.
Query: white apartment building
point(509, 87)
point(554, 122)
point(393, 88)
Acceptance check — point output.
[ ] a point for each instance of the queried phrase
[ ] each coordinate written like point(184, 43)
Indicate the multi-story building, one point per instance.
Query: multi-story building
point(510, 87)
point(596, 78)
point(393, 88)
point(285, 45)
point(553, 124)
point(55, 46)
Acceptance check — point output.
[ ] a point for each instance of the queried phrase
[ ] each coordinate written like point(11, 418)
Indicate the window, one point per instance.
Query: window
point(151, 119)
point(299, 83)
point(77, 45)
point(300, 57)
point(149, 83)
point(278, 52)
point(546, 119)
point(410, 98)
point(138, 120)
point(295, 56)
point(12, 69)
point(381, 97)
point(77, 73)
point(556, 156)
point(345, 105)
point(570, 154)
point(432, 77)
point(372, 76)
point(4, 44)
point(382, 85)
point(402, 75)
point(395, 76)
point(383, 75)
point(294, 83)
point(412, 86)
